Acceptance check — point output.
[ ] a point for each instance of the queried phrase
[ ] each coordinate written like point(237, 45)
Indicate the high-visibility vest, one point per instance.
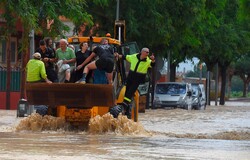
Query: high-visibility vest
point(137, 65)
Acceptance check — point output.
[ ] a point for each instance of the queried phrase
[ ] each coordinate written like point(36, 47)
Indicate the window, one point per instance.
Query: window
point(3, 51)
point(13, 51)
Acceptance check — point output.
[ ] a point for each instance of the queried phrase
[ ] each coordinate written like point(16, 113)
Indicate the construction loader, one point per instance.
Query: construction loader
point(78, 103)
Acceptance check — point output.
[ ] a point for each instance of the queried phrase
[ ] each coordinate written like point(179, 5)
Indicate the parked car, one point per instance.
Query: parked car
point(198, 96)
point(203, 97)
point(172, 94)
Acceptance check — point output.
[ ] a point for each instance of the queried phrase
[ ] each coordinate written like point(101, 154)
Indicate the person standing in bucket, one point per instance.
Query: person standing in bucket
point(105, 62)
point(139, 65)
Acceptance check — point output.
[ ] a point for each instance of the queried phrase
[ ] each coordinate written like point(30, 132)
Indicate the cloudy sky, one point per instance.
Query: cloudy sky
point(188, 65)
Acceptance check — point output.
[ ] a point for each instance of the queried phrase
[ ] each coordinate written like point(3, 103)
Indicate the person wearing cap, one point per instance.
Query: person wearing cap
point(36, 70)
point(139, 65)
point(36, 73)
point(66, 61)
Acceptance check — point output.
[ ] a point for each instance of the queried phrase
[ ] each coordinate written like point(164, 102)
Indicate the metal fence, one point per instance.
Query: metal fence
point(15, 79)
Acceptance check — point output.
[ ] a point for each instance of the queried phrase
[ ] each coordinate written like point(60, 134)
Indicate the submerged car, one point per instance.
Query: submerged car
point(172, 94)
point(203, 97)
point(198, 96)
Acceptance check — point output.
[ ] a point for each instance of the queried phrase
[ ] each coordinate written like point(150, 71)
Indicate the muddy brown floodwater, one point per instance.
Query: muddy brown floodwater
point(217, 133)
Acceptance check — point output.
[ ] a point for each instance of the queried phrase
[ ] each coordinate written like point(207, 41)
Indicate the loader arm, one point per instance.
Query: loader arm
point(70, 94)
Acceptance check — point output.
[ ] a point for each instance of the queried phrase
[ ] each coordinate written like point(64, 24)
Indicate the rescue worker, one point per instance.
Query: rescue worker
point(139, 64)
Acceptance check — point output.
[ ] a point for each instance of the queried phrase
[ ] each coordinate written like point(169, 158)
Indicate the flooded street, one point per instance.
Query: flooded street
point(218, 133)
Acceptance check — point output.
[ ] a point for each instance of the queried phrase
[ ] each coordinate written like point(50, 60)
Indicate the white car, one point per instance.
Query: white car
point(172, 94)
point(198, 96)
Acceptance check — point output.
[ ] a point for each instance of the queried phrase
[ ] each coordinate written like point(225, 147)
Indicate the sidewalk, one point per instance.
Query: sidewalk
point(233, 102)
point(241, 99)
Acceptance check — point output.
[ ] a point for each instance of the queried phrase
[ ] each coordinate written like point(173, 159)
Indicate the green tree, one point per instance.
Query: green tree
point(242, 69)
point(229, 38)
point(222, 38)
point(204, 29)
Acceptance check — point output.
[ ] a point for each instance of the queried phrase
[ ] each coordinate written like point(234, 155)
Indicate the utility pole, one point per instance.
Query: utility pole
point(117, 9)
point(168, 70)
point(117, 19)
point(216, 84)
point(208, 88)
point(200, 67)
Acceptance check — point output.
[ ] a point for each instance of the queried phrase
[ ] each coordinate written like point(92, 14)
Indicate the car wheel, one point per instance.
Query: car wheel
point(188, 107)
point(198, 107)
point(203, 107)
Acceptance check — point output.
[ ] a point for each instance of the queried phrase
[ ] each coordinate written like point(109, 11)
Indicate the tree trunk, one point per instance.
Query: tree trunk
point(172, 72)
point(247, 88)
point(8, 59)
point(244, 88)
point(245, 81)
point(230, 73)
point(208, 85)
point(229, 88)
point(25, 58)
point(248, 81)
point(223, 84)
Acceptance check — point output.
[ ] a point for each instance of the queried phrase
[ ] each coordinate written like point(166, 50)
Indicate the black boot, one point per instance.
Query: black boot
point(116, 110)
point(127, 109)
point(123, 108)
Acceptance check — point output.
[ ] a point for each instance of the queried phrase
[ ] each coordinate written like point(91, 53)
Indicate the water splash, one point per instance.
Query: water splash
point(121, 125)
point(228, 135)
point(97, 125)
point(36, 122)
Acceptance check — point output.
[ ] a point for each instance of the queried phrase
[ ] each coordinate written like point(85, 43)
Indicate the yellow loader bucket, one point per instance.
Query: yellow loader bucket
point(70, 94)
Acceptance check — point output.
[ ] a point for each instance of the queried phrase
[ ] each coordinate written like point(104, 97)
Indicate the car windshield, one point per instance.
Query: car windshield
point(195, 89)
point(170, 88)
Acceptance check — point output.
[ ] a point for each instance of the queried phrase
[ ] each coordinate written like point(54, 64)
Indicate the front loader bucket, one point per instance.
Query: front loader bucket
point(70, 94)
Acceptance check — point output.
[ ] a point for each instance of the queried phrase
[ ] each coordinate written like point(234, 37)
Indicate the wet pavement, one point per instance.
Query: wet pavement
point(217, 133)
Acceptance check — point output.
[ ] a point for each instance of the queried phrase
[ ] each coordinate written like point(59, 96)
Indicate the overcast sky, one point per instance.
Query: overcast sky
point(188, 65)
